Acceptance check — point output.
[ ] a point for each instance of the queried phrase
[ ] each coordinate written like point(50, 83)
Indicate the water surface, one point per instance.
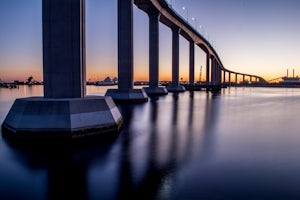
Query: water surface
point(242, 143)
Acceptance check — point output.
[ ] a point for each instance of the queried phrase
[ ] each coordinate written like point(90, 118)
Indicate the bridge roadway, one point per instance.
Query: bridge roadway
point(65, 112)
point(171, 19)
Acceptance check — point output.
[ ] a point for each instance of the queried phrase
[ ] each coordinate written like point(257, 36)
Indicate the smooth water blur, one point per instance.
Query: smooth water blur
point(243, 143)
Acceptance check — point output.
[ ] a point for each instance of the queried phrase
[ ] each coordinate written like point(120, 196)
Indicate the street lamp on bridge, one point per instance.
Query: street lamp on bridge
point(196, 24)
point(187, 13)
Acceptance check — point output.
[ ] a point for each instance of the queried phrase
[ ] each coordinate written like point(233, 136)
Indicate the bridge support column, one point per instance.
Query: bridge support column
point(208, 82)
point(64, 112)
point(224, 76)
point(192, 62)
point(125, 91)
point(175, 87)
point(220, 75)
point(213, 71)
point(215, 76)
point(243, 78)
point(229, 78)
point(154, 56)
point(236, 78)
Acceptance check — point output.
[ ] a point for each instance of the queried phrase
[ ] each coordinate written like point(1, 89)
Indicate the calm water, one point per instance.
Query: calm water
point(243, 143)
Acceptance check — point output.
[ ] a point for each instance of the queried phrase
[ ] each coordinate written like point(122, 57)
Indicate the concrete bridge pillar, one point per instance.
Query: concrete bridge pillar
point(192, 62)
point(63, 49)
point(154, 55)
point(208, 83)
point(213, 71)
point(243, 77)
point(64, 112)
point(218, 81)
point(224, 76)
point(125, 91)
point(229, 78)
point(125, 45)
point(215, 75)
point(175, 87)
point(220, 75)
point(236, 78)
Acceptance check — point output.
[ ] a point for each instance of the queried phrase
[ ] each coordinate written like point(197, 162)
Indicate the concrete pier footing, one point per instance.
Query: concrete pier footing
point(156, 90)
point(69, 118)
point(130, 95)
point(64, 112)
point(177, 88)
point(125, 91)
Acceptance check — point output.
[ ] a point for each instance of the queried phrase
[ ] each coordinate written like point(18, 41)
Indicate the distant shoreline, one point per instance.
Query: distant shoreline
point(145, 83)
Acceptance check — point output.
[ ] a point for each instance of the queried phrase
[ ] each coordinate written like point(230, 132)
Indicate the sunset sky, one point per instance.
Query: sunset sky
point(258, 37)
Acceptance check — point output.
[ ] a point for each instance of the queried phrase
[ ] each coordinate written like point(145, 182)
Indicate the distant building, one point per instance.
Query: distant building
point(106, 81)
point(115, 80)
point(290, 80)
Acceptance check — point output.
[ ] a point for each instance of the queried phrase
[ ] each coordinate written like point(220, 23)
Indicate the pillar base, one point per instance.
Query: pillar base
point(215, 88)
point(131, 95)
point(178, 88)
point(194, 87)
point(156, 90)
point(70, 118)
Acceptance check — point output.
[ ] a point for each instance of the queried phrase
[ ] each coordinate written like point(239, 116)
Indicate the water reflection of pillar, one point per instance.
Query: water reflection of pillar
point(153, 112)
point(191, 110)
point(174, 146)
point(151, 182)
point(126, 187)
point(211, 119)
point(190, 129)
point(175, 110)
point(66, 165)
point(65, 172)
point(173, 150)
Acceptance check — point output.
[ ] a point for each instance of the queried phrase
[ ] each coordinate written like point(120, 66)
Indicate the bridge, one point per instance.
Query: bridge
point(161, 11)
point(65, 111)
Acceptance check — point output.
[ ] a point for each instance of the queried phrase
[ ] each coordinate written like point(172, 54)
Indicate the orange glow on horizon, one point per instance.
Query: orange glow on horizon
point(140, 74)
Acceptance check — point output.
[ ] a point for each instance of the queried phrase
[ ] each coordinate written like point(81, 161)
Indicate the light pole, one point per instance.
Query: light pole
point(187, 13)
point(196, 24)
point(207, 36)
point(201, 28)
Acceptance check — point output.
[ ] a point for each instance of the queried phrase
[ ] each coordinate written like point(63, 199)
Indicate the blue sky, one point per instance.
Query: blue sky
point(251, 36)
